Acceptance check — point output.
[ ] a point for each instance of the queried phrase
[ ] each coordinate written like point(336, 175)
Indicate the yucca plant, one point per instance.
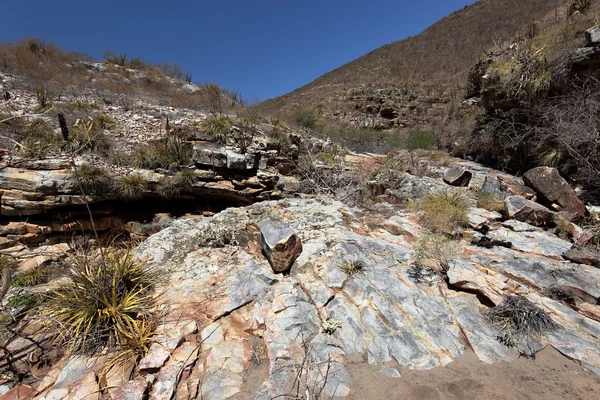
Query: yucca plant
point(106, 302)
point(217, 127)
point(132, 187)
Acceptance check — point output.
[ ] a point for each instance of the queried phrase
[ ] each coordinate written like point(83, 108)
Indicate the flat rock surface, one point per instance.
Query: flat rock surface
point(383, 315)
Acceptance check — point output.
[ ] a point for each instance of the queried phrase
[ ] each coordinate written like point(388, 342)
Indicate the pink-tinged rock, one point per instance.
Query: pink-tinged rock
point(528, 211)
point(185, 355)
point(552, 188)
point(88, 389)
point(132, 390)
point(583, 256)
point(156, 357)
point(280, 245)
point(20, 392)
point(166, 383)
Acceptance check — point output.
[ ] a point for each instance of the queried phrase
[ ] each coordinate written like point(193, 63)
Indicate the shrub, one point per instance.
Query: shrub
point(168, 153)
point(93, 180)
point(43, 98)
point(132, 187)
point(435, 252)
point(519, 319)
point(38, 139)
point(106, 302)
point(217, 127)
point(103, 121)
point(85, 136)
point(418, 140)
point(280, 138)
point(330, 325)
point(444, 212)
point(306, 118)
point(33, 277)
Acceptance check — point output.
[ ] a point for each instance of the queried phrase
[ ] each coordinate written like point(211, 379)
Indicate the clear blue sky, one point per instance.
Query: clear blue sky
point(263, 49)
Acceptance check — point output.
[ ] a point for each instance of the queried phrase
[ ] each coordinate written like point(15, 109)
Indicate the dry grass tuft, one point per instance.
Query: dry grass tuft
point(444, 212)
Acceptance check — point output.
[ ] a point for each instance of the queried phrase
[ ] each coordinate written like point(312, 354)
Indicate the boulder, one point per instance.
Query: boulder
point(581, 255)
point(503, 186)
point(527, 211)
point(280, 245)
point(552, 190)
point(456, 176)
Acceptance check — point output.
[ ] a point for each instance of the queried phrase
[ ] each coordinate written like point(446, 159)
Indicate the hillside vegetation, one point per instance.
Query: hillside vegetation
point(438, 59)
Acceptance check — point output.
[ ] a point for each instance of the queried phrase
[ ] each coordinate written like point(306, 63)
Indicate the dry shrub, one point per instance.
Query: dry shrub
point(444, 212)
point(435, 252)
point(491, 202)
point(519, 319)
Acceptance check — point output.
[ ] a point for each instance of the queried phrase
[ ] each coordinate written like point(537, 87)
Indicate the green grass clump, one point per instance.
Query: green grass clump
point(444, 212)
point(217, 127)
point(93, 180)
point(185, 178)
point(132, 187)
point(167, 188)
point(106, 303)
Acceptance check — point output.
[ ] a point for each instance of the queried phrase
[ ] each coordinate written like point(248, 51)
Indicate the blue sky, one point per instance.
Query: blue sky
point(262, 49)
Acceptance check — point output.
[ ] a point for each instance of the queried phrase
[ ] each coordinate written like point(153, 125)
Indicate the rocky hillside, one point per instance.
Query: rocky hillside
point(421, 72)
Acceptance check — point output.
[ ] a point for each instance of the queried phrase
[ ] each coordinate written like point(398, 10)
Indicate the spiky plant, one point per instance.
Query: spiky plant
point(217, 127)
point(167, 188)
point(132, 187)
point(106, 303)
point(93, 180)
point(185, 178)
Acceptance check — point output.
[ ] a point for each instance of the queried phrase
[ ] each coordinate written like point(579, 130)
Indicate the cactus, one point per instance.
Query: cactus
point(41, 93)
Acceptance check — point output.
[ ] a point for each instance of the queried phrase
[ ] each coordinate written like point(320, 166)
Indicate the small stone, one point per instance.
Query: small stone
point(456, 176)
point(390, 372)
point(156, 357)
point(280, 245)
point(518, 226)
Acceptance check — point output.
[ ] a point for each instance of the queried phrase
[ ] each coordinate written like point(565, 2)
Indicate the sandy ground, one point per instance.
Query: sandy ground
point(549, 376)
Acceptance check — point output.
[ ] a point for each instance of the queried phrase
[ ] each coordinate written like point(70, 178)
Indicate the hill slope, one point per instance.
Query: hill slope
point(438, 59)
